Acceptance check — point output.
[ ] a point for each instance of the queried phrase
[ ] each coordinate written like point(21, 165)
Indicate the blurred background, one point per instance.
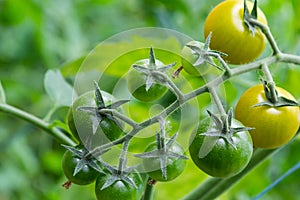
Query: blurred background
point(39, 35)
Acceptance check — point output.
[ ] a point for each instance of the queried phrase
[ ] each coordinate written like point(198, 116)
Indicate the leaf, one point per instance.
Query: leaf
point(60, 91)
point(2, 94)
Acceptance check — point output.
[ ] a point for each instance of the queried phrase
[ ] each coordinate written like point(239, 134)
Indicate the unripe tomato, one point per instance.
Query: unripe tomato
point(136, 82)
point(189, 57)
point(231, 35)
point(222, 160)
point(85, 176)
point(274, 126)
point(120, 190)
point(81, 123)
point(175, 166)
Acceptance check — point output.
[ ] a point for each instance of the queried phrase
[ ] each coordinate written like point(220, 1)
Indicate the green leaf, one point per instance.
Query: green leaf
point(60, 91)
point(2, 94)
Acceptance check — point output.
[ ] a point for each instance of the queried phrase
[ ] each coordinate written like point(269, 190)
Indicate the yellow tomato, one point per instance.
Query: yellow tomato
point(274, 126)
point(231, 35)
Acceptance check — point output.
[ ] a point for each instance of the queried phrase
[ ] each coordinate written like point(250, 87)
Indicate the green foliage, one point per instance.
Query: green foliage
point(59, 91)
point(39, 35)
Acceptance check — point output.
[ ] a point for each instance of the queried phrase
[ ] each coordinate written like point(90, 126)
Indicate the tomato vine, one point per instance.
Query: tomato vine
point(212, 187)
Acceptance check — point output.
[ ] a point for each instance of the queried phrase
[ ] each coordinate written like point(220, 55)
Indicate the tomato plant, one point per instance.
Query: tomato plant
point(231, 35)
point(274, 125)
point(220, 152)
point(87, 126)
point(221, 146)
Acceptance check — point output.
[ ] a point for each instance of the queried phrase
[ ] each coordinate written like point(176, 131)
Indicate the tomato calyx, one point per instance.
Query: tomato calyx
point(85, 159)
point(205, 54)
point(120, 174)
point(248, 16)
point(162, 152)
point(150, 69)
point(272, 97)
point(97, 115)
point(222, 127)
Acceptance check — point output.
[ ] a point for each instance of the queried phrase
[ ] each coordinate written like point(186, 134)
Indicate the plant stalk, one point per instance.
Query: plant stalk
point(55, 132)
point(149, 191)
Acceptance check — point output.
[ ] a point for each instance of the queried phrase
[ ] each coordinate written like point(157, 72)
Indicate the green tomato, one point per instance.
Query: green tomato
point(174, 166)
point(85, 176)
point(215, 156)
point(120, 190)
point(81, 123)
point(189, 57)
point(136, 82)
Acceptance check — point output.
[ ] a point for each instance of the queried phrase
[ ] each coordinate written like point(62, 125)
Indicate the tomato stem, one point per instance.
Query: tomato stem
point(267, 32)
point(149, 190)
point(270, 84)
point(55, 132)
point(217, 100)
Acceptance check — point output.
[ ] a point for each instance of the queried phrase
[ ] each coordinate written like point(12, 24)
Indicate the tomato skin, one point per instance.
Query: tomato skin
point(120, 190)
point(231, 35)
point(188, 58)
point(274, 126)
point(81, 122)
point(136, 82)
point(85, 176)
point(174, 166)
point(223, 160)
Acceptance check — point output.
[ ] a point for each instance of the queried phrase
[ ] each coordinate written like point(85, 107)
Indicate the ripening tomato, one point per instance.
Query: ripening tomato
point(231, 35)
point(274, 126)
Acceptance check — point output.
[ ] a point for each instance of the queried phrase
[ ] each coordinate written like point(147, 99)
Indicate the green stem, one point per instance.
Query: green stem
point(119, 115)
point(149, 191)
point(171, 85)
point(217, 100)
point(271, 83)
point(50, 113)
point(55, 132)
point(213, 187)
point(267, 32)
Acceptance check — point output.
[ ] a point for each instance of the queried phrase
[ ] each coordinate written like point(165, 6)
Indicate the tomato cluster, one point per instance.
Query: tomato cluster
point(266, 116)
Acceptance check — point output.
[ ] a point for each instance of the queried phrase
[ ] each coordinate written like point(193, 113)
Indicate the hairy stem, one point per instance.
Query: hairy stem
point(217, 100)
point(267, 32)
point(171, 85)
point(270, 82)
point(55, 132)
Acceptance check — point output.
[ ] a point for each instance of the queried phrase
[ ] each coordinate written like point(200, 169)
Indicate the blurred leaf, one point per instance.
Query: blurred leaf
point(72, 67)
point(2, 94)
point(115, 58)
point(58, 89)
